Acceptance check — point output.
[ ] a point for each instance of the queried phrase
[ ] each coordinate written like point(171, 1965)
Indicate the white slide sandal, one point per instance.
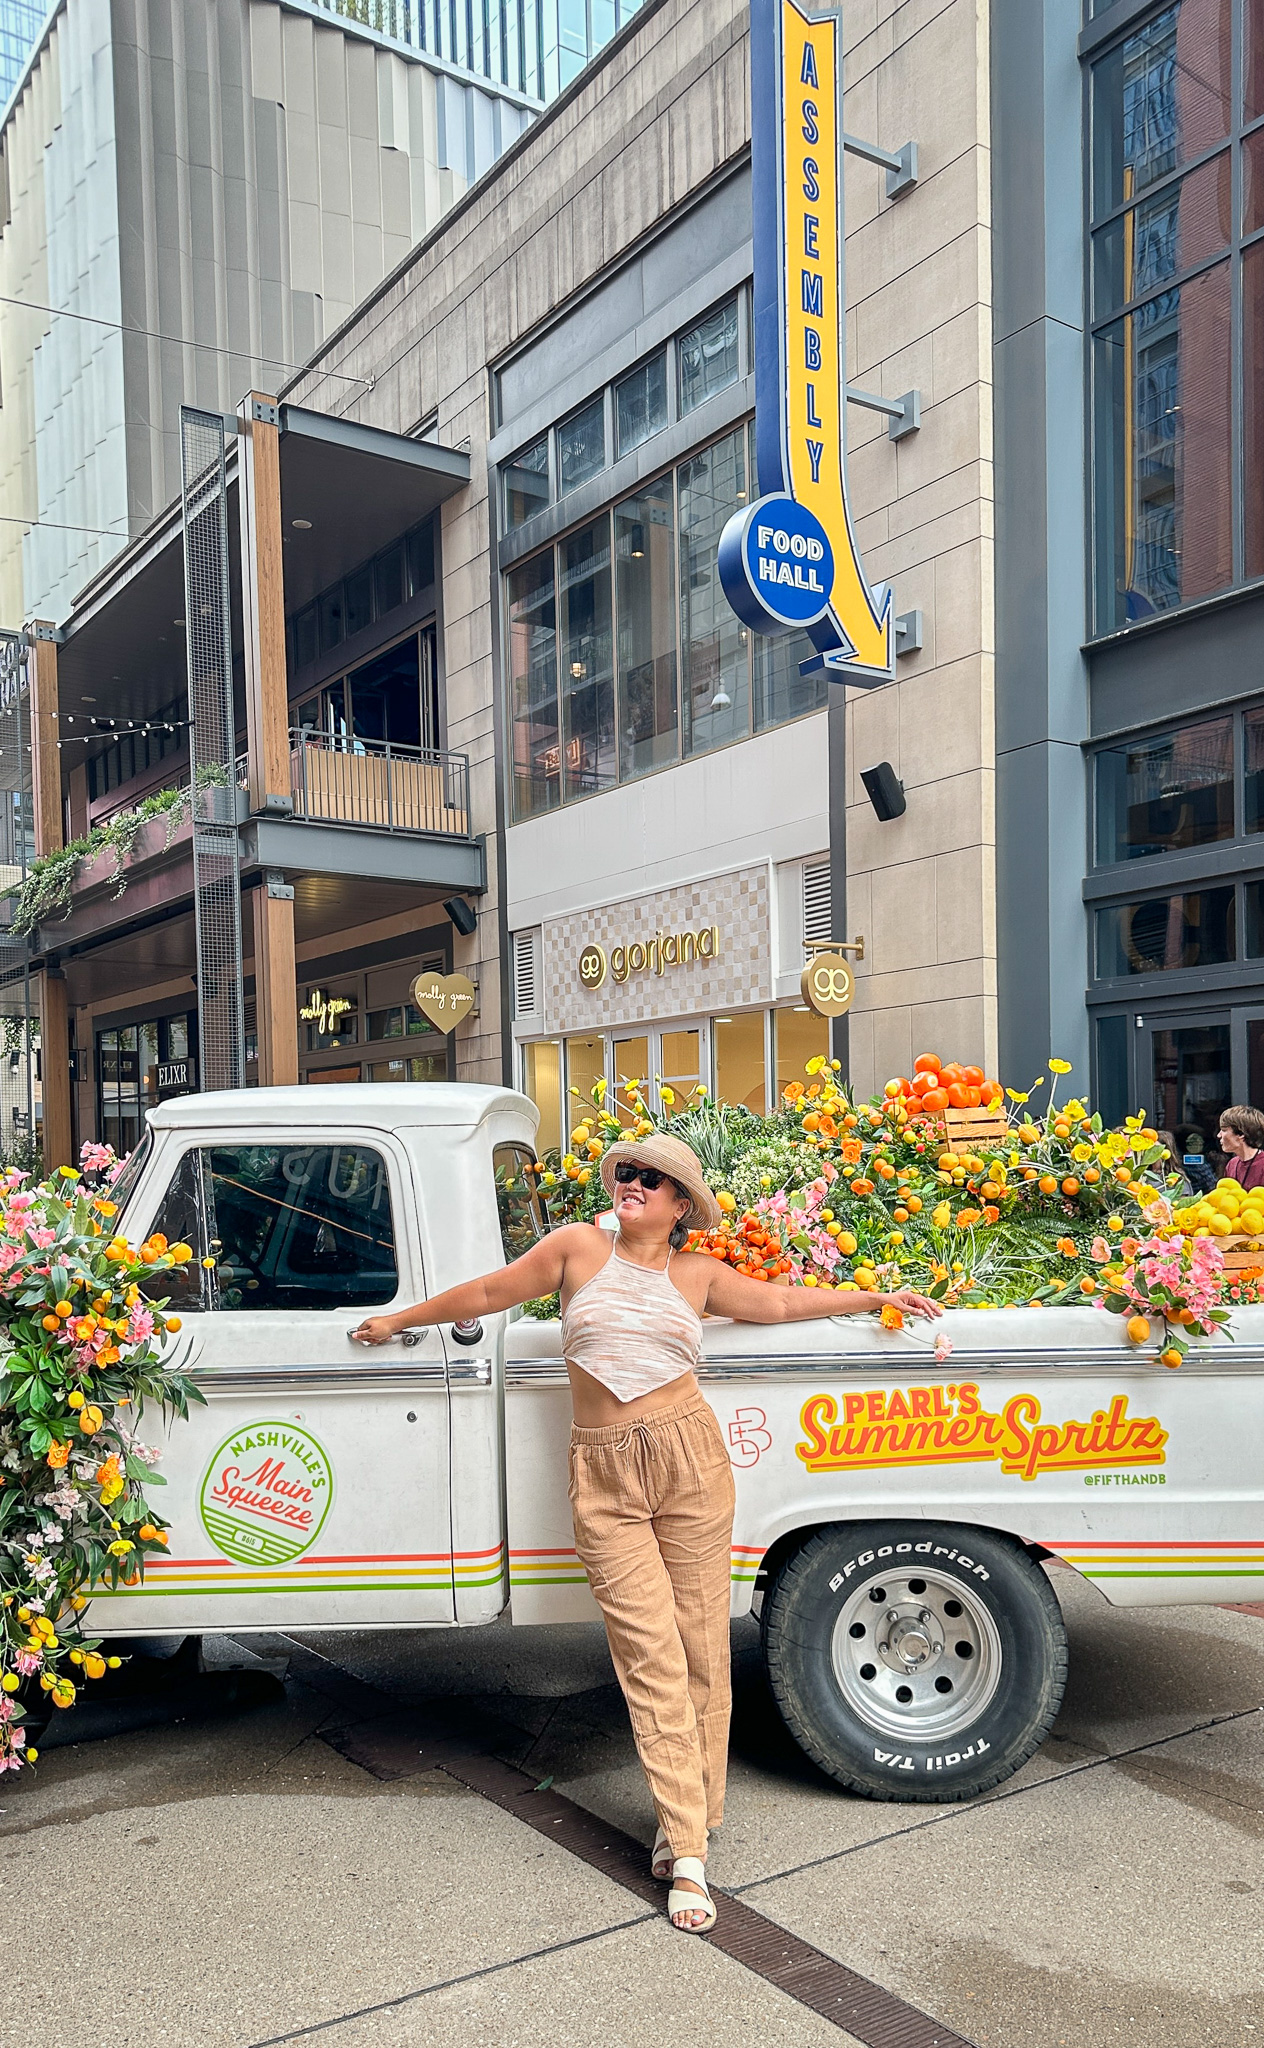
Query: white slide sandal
point(661, 1858)
point(695, 1870)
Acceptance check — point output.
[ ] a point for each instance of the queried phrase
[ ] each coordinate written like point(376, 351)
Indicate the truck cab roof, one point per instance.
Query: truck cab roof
point(387, 1105)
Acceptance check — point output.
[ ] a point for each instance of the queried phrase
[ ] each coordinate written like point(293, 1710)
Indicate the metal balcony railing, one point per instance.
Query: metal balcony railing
point(337, 781)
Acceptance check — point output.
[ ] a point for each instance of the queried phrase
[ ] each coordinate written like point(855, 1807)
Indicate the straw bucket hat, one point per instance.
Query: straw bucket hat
point(675, 1159)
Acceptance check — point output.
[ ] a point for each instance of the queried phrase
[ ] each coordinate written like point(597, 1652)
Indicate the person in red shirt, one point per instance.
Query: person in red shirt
point(1242, 1142)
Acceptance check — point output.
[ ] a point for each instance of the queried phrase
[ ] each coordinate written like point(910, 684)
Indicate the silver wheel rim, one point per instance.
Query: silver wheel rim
point(916, 1653)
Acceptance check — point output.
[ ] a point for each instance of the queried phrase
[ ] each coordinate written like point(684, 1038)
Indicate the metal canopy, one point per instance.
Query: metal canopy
point(123, 643)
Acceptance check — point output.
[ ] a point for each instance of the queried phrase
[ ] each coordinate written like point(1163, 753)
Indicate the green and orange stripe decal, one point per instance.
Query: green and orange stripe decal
point(562, 1567)
point(371, 1572)
point(1242, 1559)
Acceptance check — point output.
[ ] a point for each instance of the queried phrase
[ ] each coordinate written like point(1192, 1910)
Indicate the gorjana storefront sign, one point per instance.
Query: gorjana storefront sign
point(647, 956)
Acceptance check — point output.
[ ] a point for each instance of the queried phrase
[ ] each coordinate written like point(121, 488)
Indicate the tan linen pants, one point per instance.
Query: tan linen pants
point(653, 1508)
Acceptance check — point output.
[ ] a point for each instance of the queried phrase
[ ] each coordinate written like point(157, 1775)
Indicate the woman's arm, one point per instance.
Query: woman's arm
point(539, 1271)
point(754, 1301)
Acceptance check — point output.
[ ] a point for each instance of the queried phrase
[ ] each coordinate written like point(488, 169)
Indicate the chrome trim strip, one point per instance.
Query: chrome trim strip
point(470, 1372)
point(537, 1371)
point(267, 1379)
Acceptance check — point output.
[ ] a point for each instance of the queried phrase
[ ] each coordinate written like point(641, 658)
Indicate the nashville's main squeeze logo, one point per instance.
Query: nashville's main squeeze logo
point(950, 1426)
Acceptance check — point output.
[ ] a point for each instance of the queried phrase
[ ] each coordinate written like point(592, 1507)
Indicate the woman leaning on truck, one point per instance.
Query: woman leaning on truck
point(651, 1487)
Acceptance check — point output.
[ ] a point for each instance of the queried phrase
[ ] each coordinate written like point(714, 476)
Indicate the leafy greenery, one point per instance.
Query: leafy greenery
point(46, 892)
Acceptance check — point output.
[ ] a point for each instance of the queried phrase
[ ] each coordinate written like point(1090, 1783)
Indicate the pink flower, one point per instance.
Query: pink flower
point(1100, 1251)
point(96, 1158)
point(943, 1346)
point(141, 1325)
point(27, 1662)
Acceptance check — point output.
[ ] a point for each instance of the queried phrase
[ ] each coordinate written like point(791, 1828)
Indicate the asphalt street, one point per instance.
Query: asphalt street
point(231, 1860)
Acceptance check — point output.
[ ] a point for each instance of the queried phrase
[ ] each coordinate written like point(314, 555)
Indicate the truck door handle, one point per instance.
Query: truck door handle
point(408, 1338)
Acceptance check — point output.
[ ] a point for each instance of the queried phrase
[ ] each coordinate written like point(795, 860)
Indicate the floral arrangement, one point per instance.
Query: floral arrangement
point(1178, 1282)
point(828, 1192)
point(83, 1337)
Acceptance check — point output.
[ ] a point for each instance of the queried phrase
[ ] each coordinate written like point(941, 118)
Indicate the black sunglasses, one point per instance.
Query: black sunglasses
point(650, 1177)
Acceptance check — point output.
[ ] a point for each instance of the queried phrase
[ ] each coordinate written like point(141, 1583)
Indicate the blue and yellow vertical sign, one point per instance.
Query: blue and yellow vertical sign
point(790, 560)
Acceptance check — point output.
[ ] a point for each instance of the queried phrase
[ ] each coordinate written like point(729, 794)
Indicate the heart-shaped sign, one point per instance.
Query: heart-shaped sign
point(444, 998)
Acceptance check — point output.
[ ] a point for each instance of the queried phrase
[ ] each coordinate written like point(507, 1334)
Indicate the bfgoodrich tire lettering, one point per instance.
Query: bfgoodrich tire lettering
point(915, 1660)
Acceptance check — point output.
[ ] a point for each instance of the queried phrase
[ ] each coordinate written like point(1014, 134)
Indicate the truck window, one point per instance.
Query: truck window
point(182, 1219)
point(300, 1226)
point(522, 1217)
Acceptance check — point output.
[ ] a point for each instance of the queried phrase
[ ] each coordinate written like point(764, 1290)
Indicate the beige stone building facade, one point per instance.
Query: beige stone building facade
point(601, 246)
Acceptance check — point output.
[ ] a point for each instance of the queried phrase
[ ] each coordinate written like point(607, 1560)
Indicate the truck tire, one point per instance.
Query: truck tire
point(914, 1661)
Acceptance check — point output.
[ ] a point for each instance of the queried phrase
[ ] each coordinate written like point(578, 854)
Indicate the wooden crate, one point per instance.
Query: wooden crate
point(977, 1127)
point(1237, 1259)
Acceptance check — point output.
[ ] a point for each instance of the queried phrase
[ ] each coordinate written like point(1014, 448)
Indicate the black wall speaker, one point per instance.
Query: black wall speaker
point(885, 790)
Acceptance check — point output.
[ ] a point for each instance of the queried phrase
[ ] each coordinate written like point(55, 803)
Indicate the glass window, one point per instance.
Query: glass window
point(1167, 932)
point(1253, 907)
point(707, 356)
point(306, 637)
point(400, 1020)
point(715, 669)
point(1111, 1093)
point(1190, 1079)
point(1169, 231)
point(640, 404)
point(680, 1054)
point(738, 1061)
point(386, 696)
point(581, 446)
point(645, 555)
point(331, 618)
point(301, 1226)
point(1253, 742)
point(523, 1219)
point(585, 1066)
point(358, 600)
point(1164, 452)
point(1253, 404)
point(181, 1219)
point(542, 1080)
point(1159, 795)
point(426, 1067)
point(799, 1036)
point(1253, 85)
point(419, 549)
point(526, 483)
point(388, 580)
point(588, 742)
point(537, 753)
point(330, 1018)
point(1160, 97)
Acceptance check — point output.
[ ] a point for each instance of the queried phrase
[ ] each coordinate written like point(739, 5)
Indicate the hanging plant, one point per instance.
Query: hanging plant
point(49, 886)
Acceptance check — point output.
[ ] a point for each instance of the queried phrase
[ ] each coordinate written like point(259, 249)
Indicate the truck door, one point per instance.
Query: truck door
point(313, 1488)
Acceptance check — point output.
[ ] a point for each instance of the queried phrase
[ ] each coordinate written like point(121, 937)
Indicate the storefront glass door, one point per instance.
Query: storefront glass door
point(1190, 1072)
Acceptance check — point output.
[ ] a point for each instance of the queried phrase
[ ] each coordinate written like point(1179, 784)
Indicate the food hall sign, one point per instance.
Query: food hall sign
point(790, 561)
point(647, 956)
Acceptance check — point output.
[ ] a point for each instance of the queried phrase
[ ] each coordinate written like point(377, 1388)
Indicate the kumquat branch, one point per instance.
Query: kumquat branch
point(981, 1196)
point(85, 1341)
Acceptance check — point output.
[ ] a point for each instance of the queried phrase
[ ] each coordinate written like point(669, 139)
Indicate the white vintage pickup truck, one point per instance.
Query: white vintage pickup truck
point(893, 1509)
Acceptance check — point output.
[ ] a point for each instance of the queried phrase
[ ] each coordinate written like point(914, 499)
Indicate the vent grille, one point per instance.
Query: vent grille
point(818, 908)
point(526, 974)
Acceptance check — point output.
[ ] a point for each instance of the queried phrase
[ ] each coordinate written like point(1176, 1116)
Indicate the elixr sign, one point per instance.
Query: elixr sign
point(790, 560)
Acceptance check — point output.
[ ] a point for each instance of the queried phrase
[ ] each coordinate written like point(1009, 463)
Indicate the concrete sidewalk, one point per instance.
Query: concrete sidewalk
point(239, 1881)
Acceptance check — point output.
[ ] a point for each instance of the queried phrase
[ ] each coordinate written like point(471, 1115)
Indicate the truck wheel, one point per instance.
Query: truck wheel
point(914, 1660)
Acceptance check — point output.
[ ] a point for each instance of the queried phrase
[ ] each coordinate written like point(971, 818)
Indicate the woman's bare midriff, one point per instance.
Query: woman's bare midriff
point(597, 1408)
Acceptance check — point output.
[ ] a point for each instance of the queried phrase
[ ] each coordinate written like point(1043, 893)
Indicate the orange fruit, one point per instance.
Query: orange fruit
point(1088, 1286)
point(1048, 1185)
point(1171, 1357)
point(1092, 1175)
point(1070, 1187)
point(1138, 1330)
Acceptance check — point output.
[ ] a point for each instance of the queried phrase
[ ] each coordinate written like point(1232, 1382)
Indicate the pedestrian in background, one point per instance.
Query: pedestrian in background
point(1190, 1157)
point(1242, 1142)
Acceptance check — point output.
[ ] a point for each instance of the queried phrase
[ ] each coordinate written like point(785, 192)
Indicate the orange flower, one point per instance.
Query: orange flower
point(991, 1214)
point(1066, 1245)
point(892, 1318)
point(793, 1091)
point(57, 1455)
point(965, 1217)
point(850, 1151)
point(827, 1127)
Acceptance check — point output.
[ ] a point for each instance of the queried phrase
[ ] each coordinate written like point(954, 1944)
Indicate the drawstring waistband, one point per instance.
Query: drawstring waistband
point(618, 1435)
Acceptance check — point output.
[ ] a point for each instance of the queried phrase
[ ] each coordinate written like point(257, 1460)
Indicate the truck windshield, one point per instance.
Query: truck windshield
point(124, 1187)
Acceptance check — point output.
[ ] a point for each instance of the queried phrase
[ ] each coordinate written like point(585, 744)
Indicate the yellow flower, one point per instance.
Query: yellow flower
point(815, 1064)
point(1075, 1109)
point(1114, 1223)
point(121, 1547)
point(941, 1215)
point(668, 1095)
point(208, 1263)
point(1059, 1066)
